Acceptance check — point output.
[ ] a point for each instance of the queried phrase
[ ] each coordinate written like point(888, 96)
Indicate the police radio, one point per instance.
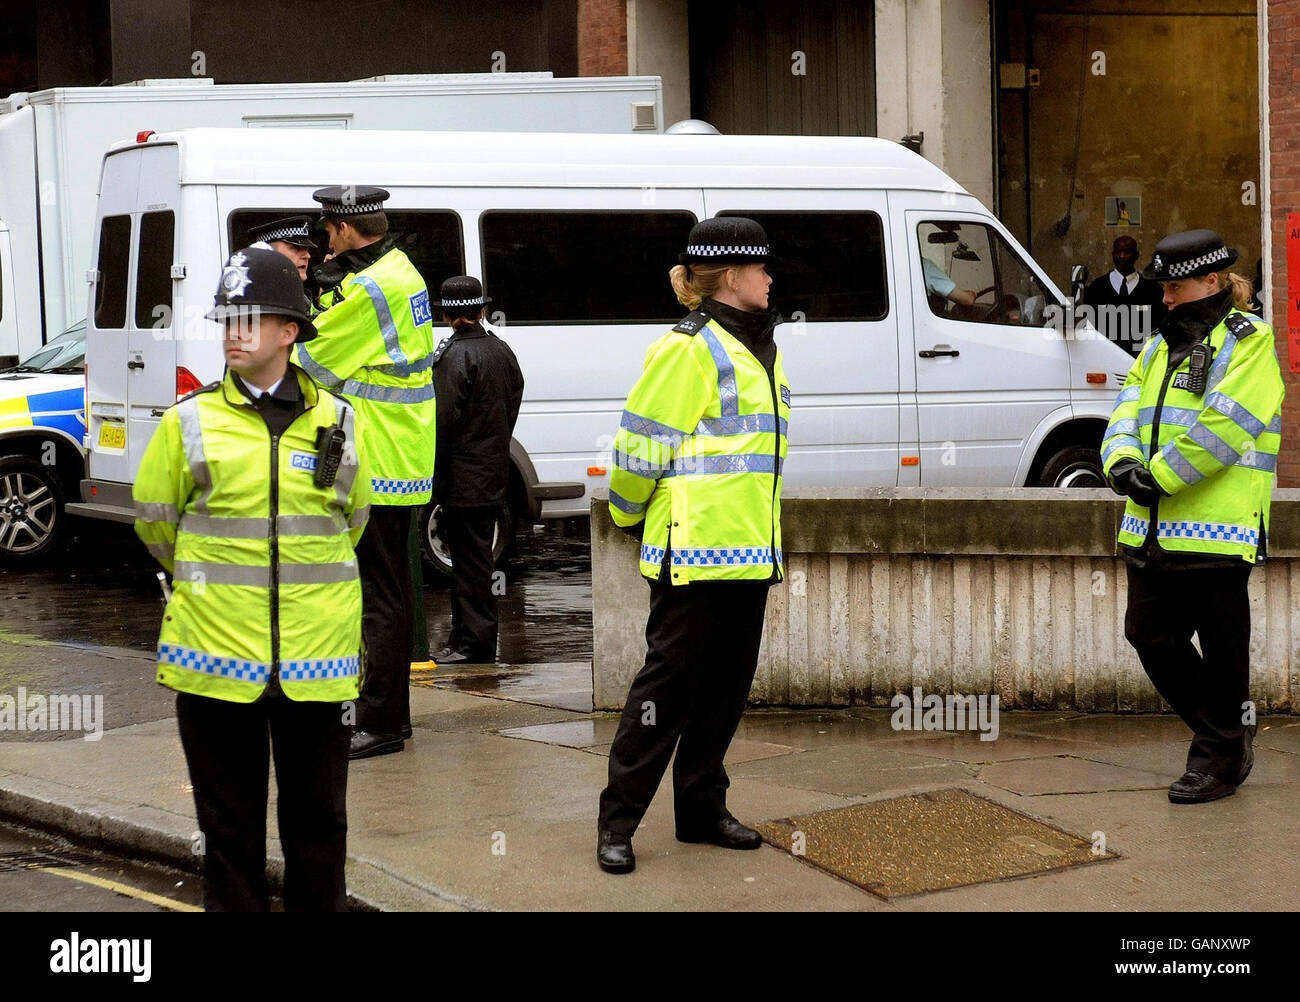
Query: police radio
point(1198, 367)
point(329, 453)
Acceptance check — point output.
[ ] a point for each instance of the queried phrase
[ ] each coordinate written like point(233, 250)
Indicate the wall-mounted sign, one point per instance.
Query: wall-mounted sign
point(1293, 288)
point(1124, 210)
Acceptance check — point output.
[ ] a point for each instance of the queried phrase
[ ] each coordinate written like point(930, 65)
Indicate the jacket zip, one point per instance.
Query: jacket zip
point(275, 562)
point(1151, 452)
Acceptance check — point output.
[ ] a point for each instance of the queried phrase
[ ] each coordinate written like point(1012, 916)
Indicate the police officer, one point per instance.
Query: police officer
point(290, 236)
point(375, 346)
point(1193, 443)
point(479, 389)
point(697, 478)
point(252, 494)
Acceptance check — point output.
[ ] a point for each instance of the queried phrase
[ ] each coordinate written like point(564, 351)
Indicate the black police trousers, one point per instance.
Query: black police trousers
point(383, 559)
point(468, 532)
point(226, 749)
point(702, 641)
point(1207, 689)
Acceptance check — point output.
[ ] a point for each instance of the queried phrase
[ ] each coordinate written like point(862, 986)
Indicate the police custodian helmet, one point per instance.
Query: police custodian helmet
point(262, 280)
point(1191, 254)
point(726, 240)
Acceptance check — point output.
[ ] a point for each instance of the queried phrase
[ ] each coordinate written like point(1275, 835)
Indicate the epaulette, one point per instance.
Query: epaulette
point(202, 389)
point(1239, 325)
point(442, 347)
point(692, 322)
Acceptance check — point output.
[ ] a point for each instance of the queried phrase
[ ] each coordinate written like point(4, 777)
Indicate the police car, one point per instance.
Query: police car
point(42, 425)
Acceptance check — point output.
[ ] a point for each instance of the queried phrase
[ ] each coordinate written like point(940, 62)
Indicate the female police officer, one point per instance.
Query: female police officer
point(1193, 443)
point(697, 477)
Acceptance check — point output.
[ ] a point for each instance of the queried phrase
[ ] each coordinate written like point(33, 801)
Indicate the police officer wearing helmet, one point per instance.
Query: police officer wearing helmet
point(479, 389)
point(1193, 443)
point(291, 237)
point(375, 346)
point(697, 479)
point(253, 495)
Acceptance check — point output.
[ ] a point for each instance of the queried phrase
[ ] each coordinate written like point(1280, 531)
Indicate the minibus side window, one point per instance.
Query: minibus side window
point(114, 257)
point(829, 265)
point(432, 238)
point(583, 266)
point(153, 271)
point(972, 274)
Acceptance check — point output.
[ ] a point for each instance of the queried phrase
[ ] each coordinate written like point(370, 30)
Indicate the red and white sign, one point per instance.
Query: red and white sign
point(1293, 288)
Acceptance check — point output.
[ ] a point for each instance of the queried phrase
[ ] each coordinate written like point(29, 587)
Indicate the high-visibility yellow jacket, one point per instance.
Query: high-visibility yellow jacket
point(699, 456)
point(375, 347)
point(265, 580)
point(1213, 453)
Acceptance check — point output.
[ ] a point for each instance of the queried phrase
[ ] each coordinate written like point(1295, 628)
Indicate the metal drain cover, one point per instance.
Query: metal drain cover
point(12, 861)
point(928, 842)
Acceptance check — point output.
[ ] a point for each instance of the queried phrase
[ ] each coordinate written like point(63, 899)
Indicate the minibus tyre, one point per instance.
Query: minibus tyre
point(1073, 466)
point(434, 550)
point(31, 510)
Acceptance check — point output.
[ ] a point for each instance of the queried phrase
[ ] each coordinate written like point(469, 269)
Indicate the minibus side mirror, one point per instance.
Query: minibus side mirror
point(1078, 283)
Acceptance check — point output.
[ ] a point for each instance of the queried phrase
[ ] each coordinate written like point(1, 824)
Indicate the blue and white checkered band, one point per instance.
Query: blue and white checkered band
point(1187, 267)
point(351, 209)
point(463, 302)
point(720, 250)
point(284, 232)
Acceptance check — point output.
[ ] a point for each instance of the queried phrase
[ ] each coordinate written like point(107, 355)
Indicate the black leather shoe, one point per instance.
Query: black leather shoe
point(406, 731)
point(366, 744)
point(614, 853)
point(1199, 788)
point(1247, 754)
point(726, 832)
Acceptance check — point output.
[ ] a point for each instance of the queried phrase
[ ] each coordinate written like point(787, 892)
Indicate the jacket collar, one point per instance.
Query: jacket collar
point(466, 331)
point(306, 386)
point(333, 271)
point(750, 328)
point(1189, 323)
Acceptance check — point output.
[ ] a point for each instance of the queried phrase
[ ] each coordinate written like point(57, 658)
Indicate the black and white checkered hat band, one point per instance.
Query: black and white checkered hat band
point(463, 302)
point(284, 233)
point(1187, 267)
point(353, 209)
point(719, 250)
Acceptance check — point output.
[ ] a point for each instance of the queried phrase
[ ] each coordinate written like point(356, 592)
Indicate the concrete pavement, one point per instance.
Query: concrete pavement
point(493, 805)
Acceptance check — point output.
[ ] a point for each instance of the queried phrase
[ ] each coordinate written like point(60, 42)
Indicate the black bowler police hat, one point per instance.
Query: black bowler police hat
point(461, 292)
point(263, 280)
point(350, 199)
point(726, 240)
point(292, 230)
point(1189, 255)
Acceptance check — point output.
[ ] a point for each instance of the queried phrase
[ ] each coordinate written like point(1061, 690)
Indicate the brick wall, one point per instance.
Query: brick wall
point(602, 38)
point(1284, 146)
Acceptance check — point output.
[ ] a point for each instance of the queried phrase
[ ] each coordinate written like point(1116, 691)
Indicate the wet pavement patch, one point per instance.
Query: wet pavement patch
point(928, 842)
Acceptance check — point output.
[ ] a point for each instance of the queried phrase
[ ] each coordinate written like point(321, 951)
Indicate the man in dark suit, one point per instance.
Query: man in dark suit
point(1127, 307)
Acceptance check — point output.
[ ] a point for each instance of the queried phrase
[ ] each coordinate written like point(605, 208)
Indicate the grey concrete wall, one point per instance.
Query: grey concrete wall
point(1018, 592)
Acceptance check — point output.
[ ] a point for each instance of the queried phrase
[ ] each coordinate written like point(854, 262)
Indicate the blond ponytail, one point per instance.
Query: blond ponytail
point(692, 286)
point(1243, 290)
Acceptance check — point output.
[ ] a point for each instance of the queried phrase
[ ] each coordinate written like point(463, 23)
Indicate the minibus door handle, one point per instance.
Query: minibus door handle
point(938, 350)
point(135, 363)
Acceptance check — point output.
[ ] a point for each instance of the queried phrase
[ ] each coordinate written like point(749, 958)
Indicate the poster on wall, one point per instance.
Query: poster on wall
point(1293, 289)
point(1124, 210)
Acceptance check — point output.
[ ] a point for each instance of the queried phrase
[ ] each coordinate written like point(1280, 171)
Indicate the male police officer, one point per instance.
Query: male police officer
point(1193, 443)
point(375, 346)
point(252, 494)
point(291, 237)
point(479, 391)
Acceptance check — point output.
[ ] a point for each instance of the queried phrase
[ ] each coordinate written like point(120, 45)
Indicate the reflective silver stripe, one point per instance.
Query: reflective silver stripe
point(1275, 426)
point(1255, 460)
point(208, 573)
point(1228, 407)
point(344, 570)
point(310, 525)
point(392, 343)
point(343, 415)
point(359, 517)
point(1214, 445)
point(1120, 442)
point(1124, 426)
point(728, 392)
point(226, 526)
point(741, 424)
point(405, 369)
point(1127, 394)
point(192, 439)
point(156, 511)
point(317, 371)
point(1184, 417)
point(626, 506)
point(387, 394)
point(1220, 365)
point(162, 551)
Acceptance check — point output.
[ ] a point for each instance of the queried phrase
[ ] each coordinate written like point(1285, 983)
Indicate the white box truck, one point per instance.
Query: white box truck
point(52, 143)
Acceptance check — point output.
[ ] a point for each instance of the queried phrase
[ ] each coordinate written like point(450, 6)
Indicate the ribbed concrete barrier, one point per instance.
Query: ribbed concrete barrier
point(1018, 592)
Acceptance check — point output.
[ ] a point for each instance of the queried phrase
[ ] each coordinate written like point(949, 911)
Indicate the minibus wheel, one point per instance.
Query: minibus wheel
point(1073, 466)
point(433, 548)
point(31, 510)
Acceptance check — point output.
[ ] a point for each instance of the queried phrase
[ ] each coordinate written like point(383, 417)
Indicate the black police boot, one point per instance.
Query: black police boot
point(614, 852)
point(1199, 788)
point(366, 744)
point(406, 731)
point(726, 831)
point(1247, 753)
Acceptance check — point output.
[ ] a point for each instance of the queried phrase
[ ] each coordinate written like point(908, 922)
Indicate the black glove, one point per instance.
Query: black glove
point(1137, 482)
point(1117, 472)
